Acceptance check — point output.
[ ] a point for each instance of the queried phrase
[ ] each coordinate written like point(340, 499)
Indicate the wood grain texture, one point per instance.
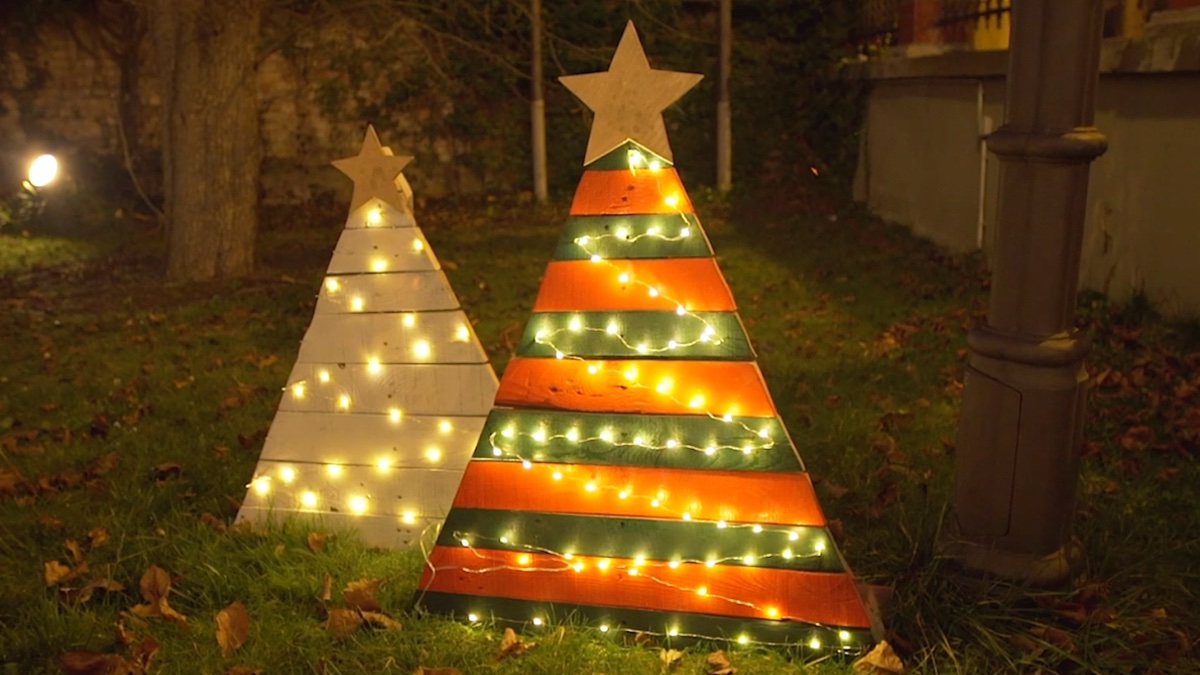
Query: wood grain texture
point(626, 192)
point(432, 389)
point(378, 249)
point(388, 292)
point(364, 439)
point(389, 216)
point(388, 338)
point(582, 285)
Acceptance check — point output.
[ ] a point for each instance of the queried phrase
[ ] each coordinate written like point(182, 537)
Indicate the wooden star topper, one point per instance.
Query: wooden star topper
point(629, 98)
point(374, 172)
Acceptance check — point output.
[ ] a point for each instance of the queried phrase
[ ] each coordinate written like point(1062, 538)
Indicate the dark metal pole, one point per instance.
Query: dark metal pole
point(724, 122)
point(1023, 404)
point(538, 109)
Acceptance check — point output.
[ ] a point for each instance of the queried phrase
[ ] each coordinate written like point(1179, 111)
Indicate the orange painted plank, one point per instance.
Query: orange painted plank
point(756, 497)
point(634, 284)
point(754, 592)
point(643, 386)
point(624, 192)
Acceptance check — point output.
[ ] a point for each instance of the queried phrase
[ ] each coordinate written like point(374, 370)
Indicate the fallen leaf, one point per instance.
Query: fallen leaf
point(144, 653)
point(316, 541)
point(422, 670)
point(669, 657)
point(84, 662)
point(882, 660)
point(243, 670)
point(1158, 613)
point(512, 645)
point(76, 551)
point(1137, 438)
point(233, 623)
point(85, 593)
point(167, 470)
point(326, 588)
point(96, 537)
point(56, 572)
point(1056, 637)
point(124, 636)
point(155, 584)
point(361, 594)
point(342, 622)
point(718, 664)
point(380, 620)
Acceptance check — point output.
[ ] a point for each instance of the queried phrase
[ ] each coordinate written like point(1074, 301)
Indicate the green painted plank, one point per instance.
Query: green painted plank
point(619, 622)
point(642, 334)
point(774, 546)
point(620, 157)
point(641, 236)
point(670, 441)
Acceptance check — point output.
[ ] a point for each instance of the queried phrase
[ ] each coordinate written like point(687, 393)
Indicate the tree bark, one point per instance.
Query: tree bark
point(207, 53)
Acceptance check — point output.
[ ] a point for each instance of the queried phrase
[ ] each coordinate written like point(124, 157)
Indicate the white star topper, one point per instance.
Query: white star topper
point(628, 99)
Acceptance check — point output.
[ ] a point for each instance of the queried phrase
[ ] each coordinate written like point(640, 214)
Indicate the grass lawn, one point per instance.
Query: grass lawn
point(132, 414)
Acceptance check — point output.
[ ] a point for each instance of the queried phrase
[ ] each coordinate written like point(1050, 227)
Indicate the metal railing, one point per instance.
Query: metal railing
point(961, 18)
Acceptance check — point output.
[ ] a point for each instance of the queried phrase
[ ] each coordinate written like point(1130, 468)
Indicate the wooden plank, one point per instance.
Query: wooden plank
point(653, 387)
point(641, 334)
point(752, 497)
point(391, 338)
point(378, 249)
point(397, 493)
point(621, 191)
point(676, 629)
point(661, 542)
point(366, 440)
point(753, 592)
point(385, 215)
point(380, 531)
point(673, 441)
point(387, 292)
point(415, 389)
point(619, 158)
point(658, 236)
point(695, 284)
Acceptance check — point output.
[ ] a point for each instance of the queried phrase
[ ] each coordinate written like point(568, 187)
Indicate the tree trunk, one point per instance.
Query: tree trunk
point(207, 51)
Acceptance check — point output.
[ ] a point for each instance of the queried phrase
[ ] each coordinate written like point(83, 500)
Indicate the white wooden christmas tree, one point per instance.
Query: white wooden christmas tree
point(391, 386)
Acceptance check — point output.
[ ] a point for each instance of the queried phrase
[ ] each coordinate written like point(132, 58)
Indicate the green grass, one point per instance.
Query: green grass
point(860, 332)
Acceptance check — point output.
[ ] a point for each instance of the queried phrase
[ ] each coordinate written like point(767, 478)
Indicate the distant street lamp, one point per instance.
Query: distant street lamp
point(43, 170)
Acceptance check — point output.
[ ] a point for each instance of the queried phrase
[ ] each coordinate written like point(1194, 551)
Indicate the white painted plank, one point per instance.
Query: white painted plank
point(387, 292)
point(379, 249)
point(416, 389)
point(367, 440)
point(379, 531)
point(387, 216)
point(391, 338)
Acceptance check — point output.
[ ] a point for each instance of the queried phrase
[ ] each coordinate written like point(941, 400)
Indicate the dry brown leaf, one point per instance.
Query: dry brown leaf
point(512, 645)
point(882, 660)
point(85, 662)
point(96, 537)
point(380, 620)
point(56, 572)
point(123, 635)
point(89, 589)
point(155, 584)
point(361, 594)
point(670, 657)
point(1159, 613)
point(76, 551)
point(243, 670)
point(718, 664)
point(167, 470)
point(422, 670)
point(144, 653)
point(316, 541)
point(326, 588)
point(343, 622)
point(233, 624)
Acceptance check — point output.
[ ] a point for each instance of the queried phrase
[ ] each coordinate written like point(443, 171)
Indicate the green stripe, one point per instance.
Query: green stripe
point(618, 157)
point(621, 621)
point(651, 538)
point(637, 334)
point(644, 236)
point(638, 440)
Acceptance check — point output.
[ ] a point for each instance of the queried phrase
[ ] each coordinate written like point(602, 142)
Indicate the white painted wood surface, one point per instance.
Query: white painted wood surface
point(386, 216)
point(366, 440)
point(416, 389)
point(382, 249)
point(387, 292)
point(391, 338)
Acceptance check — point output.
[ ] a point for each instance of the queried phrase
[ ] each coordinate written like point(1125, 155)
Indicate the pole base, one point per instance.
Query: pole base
point(1032, 569)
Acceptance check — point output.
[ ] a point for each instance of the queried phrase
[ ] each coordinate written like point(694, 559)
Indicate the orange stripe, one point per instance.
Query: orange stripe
point(695, 283)
point(760, 497)
point(754, 592)
point(623, 192)
point(660, 387)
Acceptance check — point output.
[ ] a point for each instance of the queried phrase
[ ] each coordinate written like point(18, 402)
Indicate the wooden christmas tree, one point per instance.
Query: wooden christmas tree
point(634, 474)
point(390, 388)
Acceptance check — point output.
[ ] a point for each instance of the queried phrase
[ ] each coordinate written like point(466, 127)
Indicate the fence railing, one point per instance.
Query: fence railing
point(898, 22)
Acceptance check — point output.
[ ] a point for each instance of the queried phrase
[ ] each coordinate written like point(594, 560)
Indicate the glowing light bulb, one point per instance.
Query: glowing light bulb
point(622, 233)
point(655, 503)
point(696, 402)
point(358, 504)
point(671, 443)
point(655, 165)
point(636, 158)
point(383, 463)
point(671, 344)
point(611, 328)
point(639, 561)
point(526, 464)
point(445, 427)
point(421, 349)
point(664, 385)
point(298, 390)
point(819, 547)
point(462, 333)
point(577, 566)
point(711, 562)
point(652, 230)
point(590, 487)
point(262, 485)
point(623, 494)
point(344, 402)
point(558, 354)
point(787, 554)
point(593, 369)
point(576, 325)
point(679, 309)
point(722, 524)
point(287, 474)
point(743, 639)
point(710, 450)
point(374, 216)
point(633, 572)
point(844, 635)
point(508, 432)
point(703, 590)
point(373, 366)
point(728, 417)
point(523, 559)
point(323, 376)
point(409, 517)
point(639, 440)
point(537, 620)
point(623, 277)
point(308, 499)
point(757, 529)
point(334, 470)
point(332, 285)
point(814, 644)
point(685, 232)
point(496, 452)
point(606, 435)
point(673, 632)
point(538, 434)
point(583, 240)
point(631, 373)
point(356, 303)
point(472, 618)
point(673, 564)
point(747, 449)
point(671, 200)
point(687, 516)
point(418, 245)
point(748, 559)
point(603, 563)
point(395, 414)
point(793, 536)
point(433, 453)
point(653, 292)
point(573, 435)
point(773, 612)
point(763, 433)
point(378, 265)
point(557, 475)
point(409, 320)
point(595, 258)
point(603, 628)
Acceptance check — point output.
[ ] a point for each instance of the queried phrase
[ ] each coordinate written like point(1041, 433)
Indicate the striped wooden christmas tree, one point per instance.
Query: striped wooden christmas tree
point(634, 474)
point(390, 388)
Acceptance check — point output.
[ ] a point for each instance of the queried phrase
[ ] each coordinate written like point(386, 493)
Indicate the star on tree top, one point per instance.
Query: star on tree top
point(374, 170)
point(629, 98)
